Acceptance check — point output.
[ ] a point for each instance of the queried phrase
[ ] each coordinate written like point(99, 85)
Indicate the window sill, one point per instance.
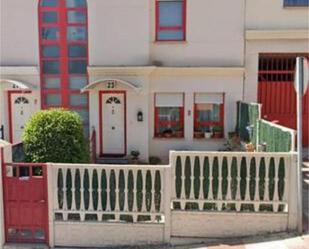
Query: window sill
point(168, 138)
point(209, 139)
point(170, 42)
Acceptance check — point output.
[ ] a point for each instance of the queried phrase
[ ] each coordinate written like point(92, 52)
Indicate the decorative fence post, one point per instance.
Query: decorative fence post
point(292, 212)
point(167, 202)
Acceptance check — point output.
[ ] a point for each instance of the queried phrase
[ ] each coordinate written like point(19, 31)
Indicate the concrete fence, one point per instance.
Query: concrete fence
point(219, 194)
point(110, 204)
point(200, 194)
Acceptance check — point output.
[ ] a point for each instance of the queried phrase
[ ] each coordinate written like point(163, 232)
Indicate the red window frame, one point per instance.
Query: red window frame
point(171, 28)
point(158, 123)
point(63, 43)
point(208, 123)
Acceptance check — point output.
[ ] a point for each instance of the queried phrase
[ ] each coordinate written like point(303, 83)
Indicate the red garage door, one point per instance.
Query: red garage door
point(276, 91)
point(25, 203)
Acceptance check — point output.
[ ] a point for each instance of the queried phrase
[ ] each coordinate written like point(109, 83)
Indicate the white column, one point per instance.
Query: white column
point(51, 189)
point(292, 195)
point(166, 190)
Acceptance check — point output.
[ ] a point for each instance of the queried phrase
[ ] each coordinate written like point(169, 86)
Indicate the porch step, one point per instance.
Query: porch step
point(112, 160)
point(25, 246)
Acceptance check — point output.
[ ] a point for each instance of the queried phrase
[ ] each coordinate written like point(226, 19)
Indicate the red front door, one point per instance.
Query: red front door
point(276, 91)
point(25, 203)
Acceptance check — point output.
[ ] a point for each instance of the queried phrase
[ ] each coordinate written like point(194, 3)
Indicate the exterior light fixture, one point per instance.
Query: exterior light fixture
point(140, 117)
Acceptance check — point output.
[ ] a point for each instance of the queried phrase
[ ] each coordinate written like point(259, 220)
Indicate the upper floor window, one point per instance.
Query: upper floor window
point(296, 3)
point(64, 55)
point(170, 20)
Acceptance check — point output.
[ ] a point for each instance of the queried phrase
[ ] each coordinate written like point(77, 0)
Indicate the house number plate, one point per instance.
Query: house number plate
point(111, 84)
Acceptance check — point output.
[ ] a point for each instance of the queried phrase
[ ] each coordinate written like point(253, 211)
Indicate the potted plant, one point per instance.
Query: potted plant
point(217, 131)
point(198, 134)
point(179, 134)
point(207, 132)
point(168, 133)
point(135, 154)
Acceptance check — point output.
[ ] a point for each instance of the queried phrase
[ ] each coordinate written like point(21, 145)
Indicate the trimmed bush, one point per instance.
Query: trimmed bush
point(55, 135)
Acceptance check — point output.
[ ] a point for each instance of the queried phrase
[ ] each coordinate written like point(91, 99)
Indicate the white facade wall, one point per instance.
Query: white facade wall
point(118, 32)
point(215, 36)
point(271, 15)
point(19, 44)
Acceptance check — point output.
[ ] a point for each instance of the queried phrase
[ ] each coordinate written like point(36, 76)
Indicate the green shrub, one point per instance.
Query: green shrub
point(55, 135)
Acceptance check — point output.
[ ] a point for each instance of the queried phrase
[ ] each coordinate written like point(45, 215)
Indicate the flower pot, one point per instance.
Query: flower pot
point(217, 134)
point(199, 134)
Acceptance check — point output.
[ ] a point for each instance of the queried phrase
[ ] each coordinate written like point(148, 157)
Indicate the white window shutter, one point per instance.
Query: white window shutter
point(169, 100)
point(209, 98)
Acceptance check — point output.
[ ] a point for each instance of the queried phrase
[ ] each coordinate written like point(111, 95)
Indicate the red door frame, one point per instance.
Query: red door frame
point(5, 197)
point(10, 109)
point(101, 122)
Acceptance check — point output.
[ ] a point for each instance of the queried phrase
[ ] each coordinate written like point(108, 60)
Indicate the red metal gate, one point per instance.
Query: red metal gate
point(25, 203)
point(276, 91)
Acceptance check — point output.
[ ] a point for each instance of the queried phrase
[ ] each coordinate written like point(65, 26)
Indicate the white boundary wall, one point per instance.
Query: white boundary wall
point(272, 208)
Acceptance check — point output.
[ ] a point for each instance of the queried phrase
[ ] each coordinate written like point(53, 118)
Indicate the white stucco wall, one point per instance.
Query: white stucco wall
point(19, 33)
point(215, 36)
point(231, 86)
point(270, 14)
point(29, 76)
point(137, 132)
point(118, 32)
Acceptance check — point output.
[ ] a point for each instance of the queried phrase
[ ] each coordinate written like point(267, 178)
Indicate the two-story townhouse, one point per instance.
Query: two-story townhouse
point(151, 75)
point(147, 75)
point(277, 32)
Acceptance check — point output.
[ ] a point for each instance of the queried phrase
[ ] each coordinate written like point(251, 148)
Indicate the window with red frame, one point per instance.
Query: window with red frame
point(208, 115)
point(170, 20)
point(169, 115)
point(64, 55)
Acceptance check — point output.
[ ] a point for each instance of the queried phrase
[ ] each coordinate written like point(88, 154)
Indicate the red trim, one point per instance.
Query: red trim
point(208, 123)
point(157, 122)
point(62, 24)
point(6, 198)
point(10, 111)
point(101, 121)
point(171, 28)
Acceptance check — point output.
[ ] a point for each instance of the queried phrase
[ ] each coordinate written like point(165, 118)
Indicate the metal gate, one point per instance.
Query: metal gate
point(25, 203)
point(276, 91)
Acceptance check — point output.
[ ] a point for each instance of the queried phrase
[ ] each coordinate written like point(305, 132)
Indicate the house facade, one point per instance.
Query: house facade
point(148, 76)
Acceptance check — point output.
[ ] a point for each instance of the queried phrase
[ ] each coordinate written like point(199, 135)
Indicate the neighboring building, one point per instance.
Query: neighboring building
point(160, 73)
point(276, 32)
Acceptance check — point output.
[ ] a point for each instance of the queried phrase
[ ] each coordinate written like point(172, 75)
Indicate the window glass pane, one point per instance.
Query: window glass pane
point(77, 67)
point(77, 82)
point(76, 3)
point(77, 51)
point(296, 2)
point(51, 67)
point(49, 3)
point(50, 17)
point(76, 16)
point(51, 33)
point(51, 51)
point(76, 33)
point(170, 13)
point(84, 114)
point(53, 99)
point(169, 113)
point(78, 99)
point(52, 83)
point(208, 112)
point(176, 35)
